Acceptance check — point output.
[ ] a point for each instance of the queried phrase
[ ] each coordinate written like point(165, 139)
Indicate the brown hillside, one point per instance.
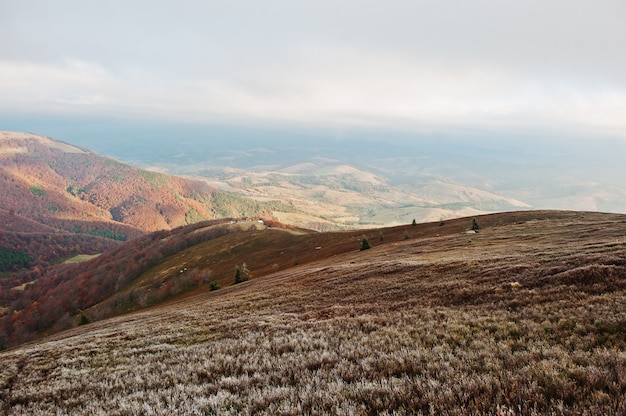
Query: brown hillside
point(525, 317)
point(53, 187)
point(55, 183)
point(12, 222)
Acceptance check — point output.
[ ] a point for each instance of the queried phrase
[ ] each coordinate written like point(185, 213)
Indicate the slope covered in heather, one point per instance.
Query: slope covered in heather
point(526, 316)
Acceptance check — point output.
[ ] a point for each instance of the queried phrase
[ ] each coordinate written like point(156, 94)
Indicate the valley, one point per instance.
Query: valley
point(328, 189)
point(363, 181)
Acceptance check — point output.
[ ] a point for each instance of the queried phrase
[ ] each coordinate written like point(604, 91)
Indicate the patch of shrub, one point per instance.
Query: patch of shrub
point(37, 191)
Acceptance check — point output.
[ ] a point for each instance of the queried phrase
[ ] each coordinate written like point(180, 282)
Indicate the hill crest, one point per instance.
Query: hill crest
point(526, 315)
point(187, 260)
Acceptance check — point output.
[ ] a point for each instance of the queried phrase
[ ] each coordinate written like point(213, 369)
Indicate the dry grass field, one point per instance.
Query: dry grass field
point(528, 316)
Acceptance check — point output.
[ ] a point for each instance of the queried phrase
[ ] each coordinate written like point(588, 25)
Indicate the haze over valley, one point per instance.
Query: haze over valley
point(427, 178)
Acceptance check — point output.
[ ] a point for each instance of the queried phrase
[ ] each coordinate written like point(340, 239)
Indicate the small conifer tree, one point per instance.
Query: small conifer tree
point(242, 273)
point(475, 225)
point(245, 273)
point(365, 244)
point(414, 223)
point(83, 319)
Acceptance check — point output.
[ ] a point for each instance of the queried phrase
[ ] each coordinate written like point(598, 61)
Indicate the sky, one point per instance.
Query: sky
point(505, 68)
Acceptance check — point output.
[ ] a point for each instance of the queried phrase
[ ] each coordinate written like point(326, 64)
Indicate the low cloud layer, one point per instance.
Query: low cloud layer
point(500, 66)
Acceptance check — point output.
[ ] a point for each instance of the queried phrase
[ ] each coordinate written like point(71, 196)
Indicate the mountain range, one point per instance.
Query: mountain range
point(425, 177)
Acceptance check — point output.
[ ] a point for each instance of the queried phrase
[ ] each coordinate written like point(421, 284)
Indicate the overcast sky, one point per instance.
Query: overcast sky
point(537, 66)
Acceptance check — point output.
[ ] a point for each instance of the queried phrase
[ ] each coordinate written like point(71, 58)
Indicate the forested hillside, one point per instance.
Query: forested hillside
point(60, 292)
point(50, 188)
point(64, 186)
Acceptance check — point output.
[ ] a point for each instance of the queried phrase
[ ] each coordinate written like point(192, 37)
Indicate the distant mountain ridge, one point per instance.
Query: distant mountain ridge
point(332, 194)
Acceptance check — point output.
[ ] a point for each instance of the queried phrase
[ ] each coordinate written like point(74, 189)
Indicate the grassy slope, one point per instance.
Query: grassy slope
point(529, 316)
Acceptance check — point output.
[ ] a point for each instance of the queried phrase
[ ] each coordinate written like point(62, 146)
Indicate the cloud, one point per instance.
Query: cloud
point(411, 64)
point(73, 88)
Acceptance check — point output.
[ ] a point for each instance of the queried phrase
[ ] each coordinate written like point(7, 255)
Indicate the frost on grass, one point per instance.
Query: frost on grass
point(438, 333)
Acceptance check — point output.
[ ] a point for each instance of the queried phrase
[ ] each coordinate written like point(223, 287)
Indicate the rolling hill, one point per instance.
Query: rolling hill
point(526, 316)
point(51, 189)
point(331, 193)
